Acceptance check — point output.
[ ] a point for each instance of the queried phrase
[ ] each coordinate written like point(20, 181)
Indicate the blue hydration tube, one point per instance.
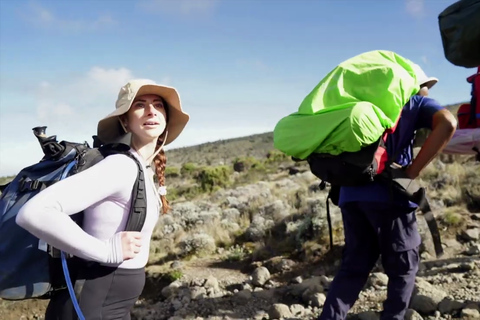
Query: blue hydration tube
point(66, 273)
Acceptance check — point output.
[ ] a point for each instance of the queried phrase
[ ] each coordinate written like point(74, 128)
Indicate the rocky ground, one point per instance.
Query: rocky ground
point(260, 251)
point(284, 289)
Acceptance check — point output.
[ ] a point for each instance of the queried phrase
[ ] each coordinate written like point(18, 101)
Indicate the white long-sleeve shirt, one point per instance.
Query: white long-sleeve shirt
point(104, 192)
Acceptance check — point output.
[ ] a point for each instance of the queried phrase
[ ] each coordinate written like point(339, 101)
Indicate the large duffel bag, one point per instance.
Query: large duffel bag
point(460, 32)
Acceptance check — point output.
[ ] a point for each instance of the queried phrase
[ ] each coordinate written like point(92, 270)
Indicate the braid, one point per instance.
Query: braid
point(160, 162)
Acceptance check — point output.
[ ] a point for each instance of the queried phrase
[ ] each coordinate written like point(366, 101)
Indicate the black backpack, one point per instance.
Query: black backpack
point(30, 268)
point(371, 163)
point(460, 32)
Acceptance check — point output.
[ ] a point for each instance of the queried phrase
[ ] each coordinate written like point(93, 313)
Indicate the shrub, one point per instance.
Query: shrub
point(247, 163)
point(173, 275)
point(172, 172)
point(453, 219)
point(197, 243)
point(210, 178)
point(188, 168)
point(276, 156)
point(189, 192)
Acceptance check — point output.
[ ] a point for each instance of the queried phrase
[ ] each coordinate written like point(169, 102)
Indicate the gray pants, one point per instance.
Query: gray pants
point(103, 293)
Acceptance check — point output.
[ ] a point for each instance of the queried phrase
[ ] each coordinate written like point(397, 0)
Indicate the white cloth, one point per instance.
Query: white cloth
point(463, 142)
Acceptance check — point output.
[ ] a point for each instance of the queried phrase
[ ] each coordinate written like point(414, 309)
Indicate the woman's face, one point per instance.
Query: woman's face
point(146, 118)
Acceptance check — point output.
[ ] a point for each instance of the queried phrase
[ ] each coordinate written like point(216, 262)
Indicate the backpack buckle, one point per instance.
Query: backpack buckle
point(30, 185)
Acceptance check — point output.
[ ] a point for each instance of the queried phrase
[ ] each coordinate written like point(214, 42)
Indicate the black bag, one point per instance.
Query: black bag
point(460, 32)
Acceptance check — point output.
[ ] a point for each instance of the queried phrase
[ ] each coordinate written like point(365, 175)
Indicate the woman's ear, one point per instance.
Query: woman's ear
point(123, 122)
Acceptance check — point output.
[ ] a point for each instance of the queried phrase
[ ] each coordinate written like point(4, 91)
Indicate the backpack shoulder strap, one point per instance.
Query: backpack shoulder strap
point(138, 209)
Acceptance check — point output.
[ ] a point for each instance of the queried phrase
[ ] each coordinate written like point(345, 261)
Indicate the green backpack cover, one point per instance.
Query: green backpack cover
point(351, 107)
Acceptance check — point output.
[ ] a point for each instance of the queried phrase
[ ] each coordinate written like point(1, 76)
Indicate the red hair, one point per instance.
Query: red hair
point(160, 162)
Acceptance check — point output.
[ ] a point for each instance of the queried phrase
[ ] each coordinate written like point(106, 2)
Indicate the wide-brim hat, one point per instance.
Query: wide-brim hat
point(423, 79)
point(109, 129)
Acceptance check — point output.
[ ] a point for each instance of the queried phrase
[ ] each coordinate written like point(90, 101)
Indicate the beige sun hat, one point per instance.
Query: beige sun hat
point(423, 79)
point(109, 129)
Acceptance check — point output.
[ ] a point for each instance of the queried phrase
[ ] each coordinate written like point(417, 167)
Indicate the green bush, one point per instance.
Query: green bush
point(247, 163)
point(174, 275)
point(452, 219)
point(188, 168)
point(209, 178)
point(172, 172)
point(188, 192)
point(276, 156)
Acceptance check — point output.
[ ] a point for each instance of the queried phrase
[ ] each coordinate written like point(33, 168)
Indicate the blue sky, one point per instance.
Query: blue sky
point(239, 65)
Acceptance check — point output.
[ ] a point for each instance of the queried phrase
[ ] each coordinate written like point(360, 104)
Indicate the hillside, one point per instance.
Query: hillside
point(223, 151)
point(226, 151)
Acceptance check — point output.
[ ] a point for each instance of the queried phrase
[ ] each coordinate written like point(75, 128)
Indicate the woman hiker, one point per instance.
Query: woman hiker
point(111, 273)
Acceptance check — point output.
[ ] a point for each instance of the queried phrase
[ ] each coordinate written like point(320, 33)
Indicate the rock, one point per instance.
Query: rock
point(470, 314)
point(368, 315)
point(473, 250)
point(448, 306)
point(176, 264)
point(423, 304)
point(279, 310)
point(297, 280)
point(426, 297)
point(310, 286)
point(260, 276)
point(267, 294)
point(211, 283)
point(471, 234)
point(260, 315)
point(171, 289)
point(453, 244)
point(378, 279)
point(297, 310)
point(197, 293)
point(280, 264)
point(317, 299)
point(412, 315)
point(293, 170)
point(325, 282)
point(239, 166)
point(243, 296)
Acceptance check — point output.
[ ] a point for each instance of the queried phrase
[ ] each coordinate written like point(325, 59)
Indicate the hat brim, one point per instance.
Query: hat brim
point(430, 82)
point(109, 129)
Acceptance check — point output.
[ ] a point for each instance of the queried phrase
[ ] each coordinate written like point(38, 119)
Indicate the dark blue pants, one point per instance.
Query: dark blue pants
point(373, 229)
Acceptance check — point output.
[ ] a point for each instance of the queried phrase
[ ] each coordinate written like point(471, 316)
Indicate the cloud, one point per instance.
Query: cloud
point(415, 8)
point(44, 18)
point(69, 107)
point(181, 7)
point(424, 59)
point(79, 97)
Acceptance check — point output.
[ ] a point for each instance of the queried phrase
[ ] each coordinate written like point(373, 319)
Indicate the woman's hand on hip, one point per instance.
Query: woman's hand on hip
point(131, 244)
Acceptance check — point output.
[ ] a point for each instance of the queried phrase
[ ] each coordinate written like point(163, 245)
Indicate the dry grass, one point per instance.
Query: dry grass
point(448, 182)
